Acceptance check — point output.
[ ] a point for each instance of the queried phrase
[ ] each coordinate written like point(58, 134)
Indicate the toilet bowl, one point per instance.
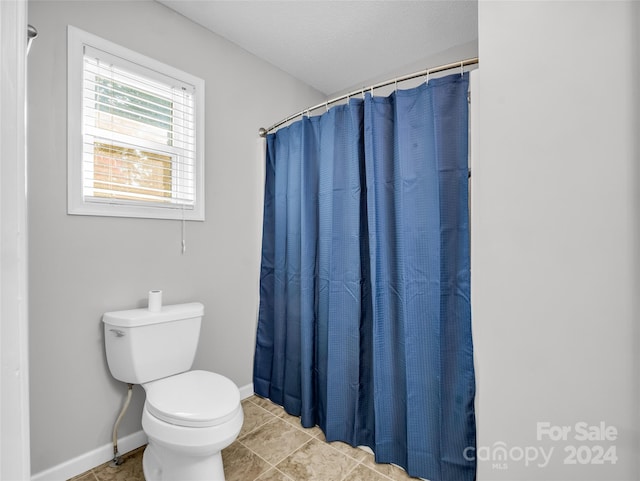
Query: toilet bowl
point(188, 416)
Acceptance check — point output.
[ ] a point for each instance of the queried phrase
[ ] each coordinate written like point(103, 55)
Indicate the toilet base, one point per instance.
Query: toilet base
point(180, 467)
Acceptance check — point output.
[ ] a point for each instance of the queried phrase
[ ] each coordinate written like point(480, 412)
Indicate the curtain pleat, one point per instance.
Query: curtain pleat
point(364, 323)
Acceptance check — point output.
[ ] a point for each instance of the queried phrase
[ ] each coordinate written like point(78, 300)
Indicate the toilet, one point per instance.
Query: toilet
point(188, 416)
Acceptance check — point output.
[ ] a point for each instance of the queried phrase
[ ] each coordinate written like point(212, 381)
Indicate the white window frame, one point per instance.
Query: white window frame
point(77, 204)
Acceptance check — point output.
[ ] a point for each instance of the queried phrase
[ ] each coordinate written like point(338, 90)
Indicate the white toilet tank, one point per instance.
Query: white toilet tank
point(143, 346)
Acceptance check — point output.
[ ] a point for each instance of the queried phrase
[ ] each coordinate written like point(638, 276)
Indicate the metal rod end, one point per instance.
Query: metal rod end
point(31, 34)
point(262, 132)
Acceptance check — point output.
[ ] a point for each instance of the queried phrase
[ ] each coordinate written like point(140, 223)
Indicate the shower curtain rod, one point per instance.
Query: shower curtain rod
point(461, 64)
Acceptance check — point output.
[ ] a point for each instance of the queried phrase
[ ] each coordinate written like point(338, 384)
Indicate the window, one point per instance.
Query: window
point(135, 134)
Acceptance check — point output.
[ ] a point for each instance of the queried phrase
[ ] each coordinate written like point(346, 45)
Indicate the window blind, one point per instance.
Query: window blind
point(139, 134)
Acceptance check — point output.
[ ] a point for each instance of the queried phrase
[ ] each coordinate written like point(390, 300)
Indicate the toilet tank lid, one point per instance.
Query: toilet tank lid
point(142, 317)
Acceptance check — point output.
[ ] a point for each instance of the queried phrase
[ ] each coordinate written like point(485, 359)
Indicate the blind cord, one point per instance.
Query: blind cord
point(184, 240)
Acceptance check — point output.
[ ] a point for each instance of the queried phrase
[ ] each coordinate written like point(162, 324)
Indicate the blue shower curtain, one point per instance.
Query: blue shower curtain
point(364, 325)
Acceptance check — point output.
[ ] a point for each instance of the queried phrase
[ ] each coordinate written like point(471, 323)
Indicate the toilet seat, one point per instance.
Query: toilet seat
point(193, 399)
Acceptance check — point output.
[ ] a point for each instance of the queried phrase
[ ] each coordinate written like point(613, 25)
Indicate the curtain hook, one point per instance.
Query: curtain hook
point(396, 83)
point(462, 69)
point(326, 105)
point(362, 93)
point(428, 73)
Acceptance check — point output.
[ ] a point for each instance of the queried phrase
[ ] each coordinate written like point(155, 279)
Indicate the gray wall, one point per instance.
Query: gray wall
point(82, 266)
point(555, 234)
point(554, 227)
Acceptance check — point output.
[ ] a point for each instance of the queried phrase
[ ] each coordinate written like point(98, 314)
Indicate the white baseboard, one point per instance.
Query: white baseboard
point(246, 391)
point(90, 460)
point(101, 455)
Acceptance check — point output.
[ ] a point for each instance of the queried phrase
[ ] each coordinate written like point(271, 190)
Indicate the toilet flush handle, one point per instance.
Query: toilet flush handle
point(117, 332)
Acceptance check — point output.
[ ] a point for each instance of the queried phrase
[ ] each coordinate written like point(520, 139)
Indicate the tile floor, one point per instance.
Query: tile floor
point(273, 446)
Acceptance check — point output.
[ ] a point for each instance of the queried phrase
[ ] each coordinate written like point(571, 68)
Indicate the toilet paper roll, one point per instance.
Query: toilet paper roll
point(155, 301)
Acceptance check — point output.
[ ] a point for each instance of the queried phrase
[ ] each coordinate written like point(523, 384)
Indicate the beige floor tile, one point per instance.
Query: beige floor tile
point(279, 411)
point(315, 431)
point(254, 417)
point(362, 473)
point(84, 477)
point(274, 475)
point(355, 453)
point(275, 440)
point(129, 470)
point(394, 472)
point(316, 461)
point(267, 404)
point(271, 437)
point(240, 464)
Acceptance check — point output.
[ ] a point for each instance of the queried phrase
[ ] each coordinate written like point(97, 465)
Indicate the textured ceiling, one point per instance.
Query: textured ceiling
point(334, 45)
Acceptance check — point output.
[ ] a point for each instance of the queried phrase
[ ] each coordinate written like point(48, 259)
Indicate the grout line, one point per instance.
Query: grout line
point(316, 436)
point(341, 452)
point(273, 416)
point(271, 465)
point(285, 475)
point(376, 471)
point(274, 469)
point(350, 471)
point(387, 476)
point(95, 476)
point(311, 438)
point(283, 413)
point(274, 464)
